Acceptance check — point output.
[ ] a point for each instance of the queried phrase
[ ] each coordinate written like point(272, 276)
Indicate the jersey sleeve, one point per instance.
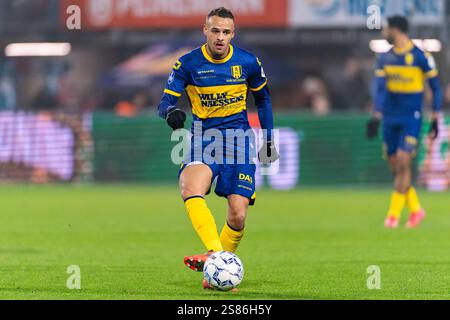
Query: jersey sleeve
point(177, 81)
point(429, 68)
point(379, 85)
point(257, 78)
point(428, 65)
point(258, 85)
point(175, 85)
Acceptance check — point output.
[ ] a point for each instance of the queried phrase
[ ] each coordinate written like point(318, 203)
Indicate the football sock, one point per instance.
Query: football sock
point(412, 199)
point(398, 201)
point(203, 222)
point(230, 238)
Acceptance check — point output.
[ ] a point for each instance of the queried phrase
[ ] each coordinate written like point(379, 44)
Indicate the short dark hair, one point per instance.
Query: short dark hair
point(399, 22)
point(221, 12)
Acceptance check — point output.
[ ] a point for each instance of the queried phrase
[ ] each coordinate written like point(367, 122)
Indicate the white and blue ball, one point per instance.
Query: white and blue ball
point(223, 270)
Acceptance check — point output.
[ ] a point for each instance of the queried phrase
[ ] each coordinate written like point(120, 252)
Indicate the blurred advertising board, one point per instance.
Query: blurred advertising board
point(434, 159)
point(44, 147)
point(354, 13)
point(106, 148)
point(176, 14)
point(315, 151)
point(141, 14)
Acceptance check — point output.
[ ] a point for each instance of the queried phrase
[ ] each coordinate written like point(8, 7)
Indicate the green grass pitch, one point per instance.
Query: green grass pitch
point(129, 242)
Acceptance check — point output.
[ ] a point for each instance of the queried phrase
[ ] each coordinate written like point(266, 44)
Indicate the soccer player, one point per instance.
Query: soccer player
point(217, 78)
point(400, 83)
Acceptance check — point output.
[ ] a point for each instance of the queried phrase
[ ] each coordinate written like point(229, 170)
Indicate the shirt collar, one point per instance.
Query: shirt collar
point(211, 59)
point(405, 49)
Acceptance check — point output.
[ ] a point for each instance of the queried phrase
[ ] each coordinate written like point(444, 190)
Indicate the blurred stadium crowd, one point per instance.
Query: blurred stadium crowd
point(123, 68)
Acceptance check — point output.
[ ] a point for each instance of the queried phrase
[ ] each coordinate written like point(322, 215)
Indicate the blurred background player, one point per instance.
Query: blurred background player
point(400, 84)
point(217, 77)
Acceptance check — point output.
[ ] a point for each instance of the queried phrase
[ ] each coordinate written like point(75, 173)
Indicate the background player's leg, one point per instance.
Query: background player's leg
point(403, 172)
point(397, 202)
point(393, 165)
point(412, 200)
point(402, 184)
point(412, 134)
point(233, 230)
point(195, 182)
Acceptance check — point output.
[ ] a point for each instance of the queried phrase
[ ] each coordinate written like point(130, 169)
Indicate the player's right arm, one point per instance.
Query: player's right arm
point(379, 99)
point(258, 85)
point(431, 73)
point(381, 92)
point(175, 86)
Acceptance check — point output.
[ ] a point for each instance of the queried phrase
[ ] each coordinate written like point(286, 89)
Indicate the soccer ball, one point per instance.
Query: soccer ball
point(223, 270)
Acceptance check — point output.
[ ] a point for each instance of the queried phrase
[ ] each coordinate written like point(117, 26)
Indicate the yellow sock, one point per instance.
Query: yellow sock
point(398, 201)
point(412, 199)
point(203, 222)
point(230, 238)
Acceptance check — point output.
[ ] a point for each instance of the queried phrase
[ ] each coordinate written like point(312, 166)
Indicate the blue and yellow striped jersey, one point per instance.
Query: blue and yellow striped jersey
point(401, 75)
point(217, 89)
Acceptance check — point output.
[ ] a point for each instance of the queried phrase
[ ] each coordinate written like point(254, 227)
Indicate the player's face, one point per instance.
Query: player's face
point(389, 34)
point(219, 32)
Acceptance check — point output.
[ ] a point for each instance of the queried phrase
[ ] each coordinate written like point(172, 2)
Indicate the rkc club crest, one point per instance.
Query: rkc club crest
point(236, 71)
point(409, 59)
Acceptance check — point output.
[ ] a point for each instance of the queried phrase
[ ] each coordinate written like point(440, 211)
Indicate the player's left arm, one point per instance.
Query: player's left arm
point(175, 85)
point(379, 99)
point(258, 86)
point(430, 70)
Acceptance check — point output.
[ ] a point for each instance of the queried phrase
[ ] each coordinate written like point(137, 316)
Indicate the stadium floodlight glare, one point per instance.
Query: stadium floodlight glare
point(38, 49)
point(379, 46)
point(430, 45)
